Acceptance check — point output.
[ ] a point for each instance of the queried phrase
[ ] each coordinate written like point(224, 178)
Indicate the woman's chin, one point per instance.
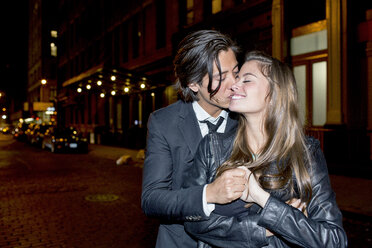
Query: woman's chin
point(233, 107)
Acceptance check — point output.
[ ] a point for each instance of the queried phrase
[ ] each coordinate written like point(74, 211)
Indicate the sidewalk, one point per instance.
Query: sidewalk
point(353, 194)
point(114, 153)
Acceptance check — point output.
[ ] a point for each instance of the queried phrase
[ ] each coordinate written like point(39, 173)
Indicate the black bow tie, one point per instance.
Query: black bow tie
point(212, 128)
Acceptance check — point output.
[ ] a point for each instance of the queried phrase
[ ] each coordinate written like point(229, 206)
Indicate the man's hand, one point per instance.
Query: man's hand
point(227, 187)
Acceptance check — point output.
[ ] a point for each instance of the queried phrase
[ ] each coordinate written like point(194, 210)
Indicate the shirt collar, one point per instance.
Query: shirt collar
point(202, 115)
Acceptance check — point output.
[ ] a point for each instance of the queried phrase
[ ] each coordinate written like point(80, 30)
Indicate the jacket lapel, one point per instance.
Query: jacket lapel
point(189, 127)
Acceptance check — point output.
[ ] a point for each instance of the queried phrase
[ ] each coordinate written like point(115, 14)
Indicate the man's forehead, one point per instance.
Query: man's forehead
point(225, 69)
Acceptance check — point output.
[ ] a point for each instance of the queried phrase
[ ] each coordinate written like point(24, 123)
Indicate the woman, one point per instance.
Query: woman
point(281, 164)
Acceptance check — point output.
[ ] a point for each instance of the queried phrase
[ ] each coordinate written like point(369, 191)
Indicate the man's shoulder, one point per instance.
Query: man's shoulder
point(170, 110)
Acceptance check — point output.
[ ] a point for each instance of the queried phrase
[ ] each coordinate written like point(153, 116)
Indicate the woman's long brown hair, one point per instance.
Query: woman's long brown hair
point(285, 145)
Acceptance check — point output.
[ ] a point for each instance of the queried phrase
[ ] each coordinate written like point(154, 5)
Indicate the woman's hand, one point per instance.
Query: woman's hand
point(253, 191)
point(296, 203)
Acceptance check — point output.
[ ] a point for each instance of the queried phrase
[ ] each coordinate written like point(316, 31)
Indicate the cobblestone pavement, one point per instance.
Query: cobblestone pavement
point(43, 201)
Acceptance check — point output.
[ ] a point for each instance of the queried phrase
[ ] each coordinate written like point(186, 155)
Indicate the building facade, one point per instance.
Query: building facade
point(42, 62)
point(114, 63)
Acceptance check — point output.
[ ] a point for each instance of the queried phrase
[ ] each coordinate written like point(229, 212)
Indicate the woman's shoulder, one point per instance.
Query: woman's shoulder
point(312, 143)
point(318, 162)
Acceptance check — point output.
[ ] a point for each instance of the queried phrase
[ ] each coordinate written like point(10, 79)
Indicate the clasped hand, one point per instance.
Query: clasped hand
point(240, 183)
point(234, 184)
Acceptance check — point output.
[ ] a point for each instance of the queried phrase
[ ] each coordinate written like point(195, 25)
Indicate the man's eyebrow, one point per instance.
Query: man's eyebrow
point(224, 72)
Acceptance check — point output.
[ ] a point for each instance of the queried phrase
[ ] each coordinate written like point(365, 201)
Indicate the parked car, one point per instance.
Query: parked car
point(29, 132)
point(5, 130)
point(64, 139)
point(19, 132)
point(37, 134)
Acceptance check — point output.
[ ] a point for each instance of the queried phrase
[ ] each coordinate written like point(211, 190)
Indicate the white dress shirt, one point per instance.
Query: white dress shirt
point(202, 115)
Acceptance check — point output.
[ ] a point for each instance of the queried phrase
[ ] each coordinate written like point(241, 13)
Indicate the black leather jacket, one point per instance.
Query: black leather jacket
point(322, 227)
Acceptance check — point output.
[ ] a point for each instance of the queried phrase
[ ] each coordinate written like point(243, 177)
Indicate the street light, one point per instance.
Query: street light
point(43, 81)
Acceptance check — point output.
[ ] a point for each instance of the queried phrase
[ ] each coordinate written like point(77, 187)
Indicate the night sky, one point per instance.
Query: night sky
point(13, 43)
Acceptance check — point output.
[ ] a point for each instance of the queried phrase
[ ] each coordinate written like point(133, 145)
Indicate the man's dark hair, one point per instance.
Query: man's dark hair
point(195, 57)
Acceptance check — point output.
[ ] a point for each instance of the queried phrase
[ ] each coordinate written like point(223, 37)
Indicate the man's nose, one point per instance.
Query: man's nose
point(231, 81)
point(235, 87)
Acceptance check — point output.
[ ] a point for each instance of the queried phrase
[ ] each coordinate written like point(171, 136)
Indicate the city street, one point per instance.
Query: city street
point(69, 200)
point(86, 200)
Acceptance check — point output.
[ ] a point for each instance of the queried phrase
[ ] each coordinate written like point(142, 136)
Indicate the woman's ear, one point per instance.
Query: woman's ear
point(194, 87)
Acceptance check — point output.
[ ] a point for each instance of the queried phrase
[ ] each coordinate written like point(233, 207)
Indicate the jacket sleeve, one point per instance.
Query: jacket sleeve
point(159, 196)
point(322, 227)
point(217, 230)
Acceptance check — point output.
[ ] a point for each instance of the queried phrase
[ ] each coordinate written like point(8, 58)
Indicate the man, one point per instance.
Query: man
point(206, 67)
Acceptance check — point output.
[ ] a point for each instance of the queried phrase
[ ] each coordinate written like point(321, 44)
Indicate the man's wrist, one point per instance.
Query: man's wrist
point(207, 207)
point(208, 194)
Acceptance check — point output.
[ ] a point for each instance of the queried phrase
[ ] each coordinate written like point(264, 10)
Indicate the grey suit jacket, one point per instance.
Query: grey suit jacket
point(172, 140)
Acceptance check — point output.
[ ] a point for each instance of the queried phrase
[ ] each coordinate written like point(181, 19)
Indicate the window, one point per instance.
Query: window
point(135, 37)
point(53, 49)
point(319, 93)
point(186, 12)
point(124, 42)
point(308, 48)
point(116, 52)
point(311, 79)
point(189, 12)
point(160, 24)
point(309, 42)
point(216, 6)
point(54, 34)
